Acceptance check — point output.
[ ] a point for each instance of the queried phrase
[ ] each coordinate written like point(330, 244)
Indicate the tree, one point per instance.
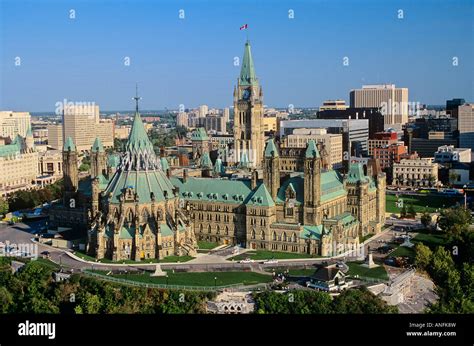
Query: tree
point(411, 211)
point(361, 301)
point(84, 167)
point(426, 219)
point(3, 206)
point(423, 256)
point(455, 221)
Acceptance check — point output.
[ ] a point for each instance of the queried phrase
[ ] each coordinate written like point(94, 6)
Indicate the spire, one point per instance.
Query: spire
point(138, 137)
point(69, 145)
point(97, 146)
point(218, 167)
point(247, 73)
point(312, 151)
point(206, 161)
point(271, 149)
point(136, 98)
point(29, 133)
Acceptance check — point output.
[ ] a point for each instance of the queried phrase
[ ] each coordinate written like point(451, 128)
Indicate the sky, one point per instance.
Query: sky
point(191, 61)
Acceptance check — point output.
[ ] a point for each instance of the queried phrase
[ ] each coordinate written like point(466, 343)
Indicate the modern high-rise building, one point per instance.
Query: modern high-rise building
point(14, 123)
point(182, 119)
point(333, 105)
point(392, 101)
point(355, 133)
point(452, 107)
point(332, 143)
point(203, 110)
point(249, 137)
point(83, 125)
point(466, 125)
point(226, 114)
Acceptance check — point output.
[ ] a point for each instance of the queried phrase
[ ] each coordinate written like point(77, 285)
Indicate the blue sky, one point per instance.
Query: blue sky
point(190, 61)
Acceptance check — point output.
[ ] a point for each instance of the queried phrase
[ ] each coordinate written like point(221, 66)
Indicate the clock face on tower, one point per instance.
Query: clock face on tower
point(246, 94)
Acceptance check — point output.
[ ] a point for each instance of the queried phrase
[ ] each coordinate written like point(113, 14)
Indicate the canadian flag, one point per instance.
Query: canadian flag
point(243, 27)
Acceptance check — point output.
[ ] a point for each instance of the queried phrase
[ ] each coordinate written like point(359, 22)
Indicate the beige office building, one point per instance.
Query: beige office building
point(392, 101)
point(333, 105)
point(466, 126)
point(182, 119)
point(333, 142)
point(83, 125)
point(270, 124)
point(415, 172)
point(122, 132)
point(14, 123)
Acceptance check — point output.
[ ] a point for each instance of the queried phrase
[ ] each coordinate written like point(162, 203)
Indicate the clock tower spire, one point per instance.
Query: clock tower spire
point(248, 113)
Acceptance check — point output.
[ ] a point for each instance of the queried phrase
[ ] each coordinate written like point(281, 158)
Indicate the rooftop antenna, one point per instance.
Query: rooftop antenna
point(136, 98)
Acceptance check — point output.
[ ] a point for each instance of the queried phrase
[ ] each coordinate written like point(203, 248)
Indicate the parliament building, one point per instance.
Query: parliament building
point(133, 207)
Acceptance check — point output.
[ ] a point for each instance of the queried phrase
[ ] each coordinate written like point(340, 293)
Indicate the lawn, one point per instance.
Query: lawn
point(206, 245)
point(301, 272)
point(169, 259)
point(199, 279)
point(260, 255)
point(432, 240)
point(47, 263)
point(356, 268)
point(423, 203)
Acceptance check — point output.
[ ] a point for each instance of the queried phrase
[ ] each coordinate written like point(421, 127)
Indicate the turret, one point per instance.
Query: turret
point(312, 181)
point(70, 171)
point(98, 159)
point(271, 168)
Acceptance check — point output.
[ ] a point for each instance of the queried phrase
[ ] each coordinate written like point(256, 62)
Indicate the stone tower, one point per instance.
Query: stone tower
point(70, 171)
point(248, 113)
point(98, 159)
point(312, 183)
point(374, 171)
point(271, 168)
point(357, 186)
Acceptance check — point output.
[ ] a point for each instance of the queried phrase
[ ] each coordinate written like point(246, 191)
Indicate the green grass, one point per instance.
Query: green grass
point(420, 203)
point(432, 240)
point(356, 268)
point(47, 263)
point(260, 255)
point(365, 237)
point(169, 259)
point(206, 245)
point(301, 272)
point(199, 279)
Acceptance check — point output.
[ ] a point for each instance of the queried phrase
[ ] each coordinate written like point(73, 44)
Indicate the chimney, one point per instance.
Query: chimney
point(185, 175)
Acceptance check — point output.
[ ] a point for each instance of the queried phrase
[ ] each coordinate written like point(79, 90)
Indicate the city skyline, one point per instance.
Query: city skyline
point(188, 61)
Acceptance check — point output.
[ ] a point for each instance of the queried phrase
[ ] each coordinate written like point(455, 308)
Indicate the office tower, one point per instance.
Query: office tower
point(203, 110)
point(83, 125)
point(248, 113)
point(355, 133)
point(182, 119)
point(14, 123)
point(392, 101)
point(333, 105)
point(226, 114)
point(466, 125)
point(452, 107)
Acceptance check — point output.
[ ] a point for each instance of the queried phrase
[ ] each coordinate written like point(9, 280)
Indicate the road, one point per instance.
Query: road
point(21, 234)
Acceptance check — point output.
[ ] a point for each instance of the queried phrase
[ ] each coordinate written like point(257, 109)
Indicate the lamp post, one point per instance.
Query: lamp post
point(215, 281)
point(167, 279)
point(465, 196)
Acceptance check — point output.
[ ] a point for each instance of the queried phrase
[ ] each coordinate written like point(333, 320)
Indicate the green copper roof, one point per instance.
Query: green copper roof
point(312, 150)
point(164, 164)
point(311, 232)
point(247, 72)
point(261, 197)
point(199, 134)
point(346, 218)
point(97, 146)
point(215, 190)
point(69, 145)
point(113, 160)
point(12, 149)
point(356, 173)
point(103, 182)
point(271, 149)
point(29, 133)
point(138, 138)
point(143, 182)
point(332, 187)
point(219, 167)
point(205, 161)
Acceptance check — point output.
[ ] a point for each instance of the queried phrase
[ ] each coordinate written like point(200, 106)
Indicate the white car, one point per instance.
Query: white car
point(247, 260)
point(270, 261)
